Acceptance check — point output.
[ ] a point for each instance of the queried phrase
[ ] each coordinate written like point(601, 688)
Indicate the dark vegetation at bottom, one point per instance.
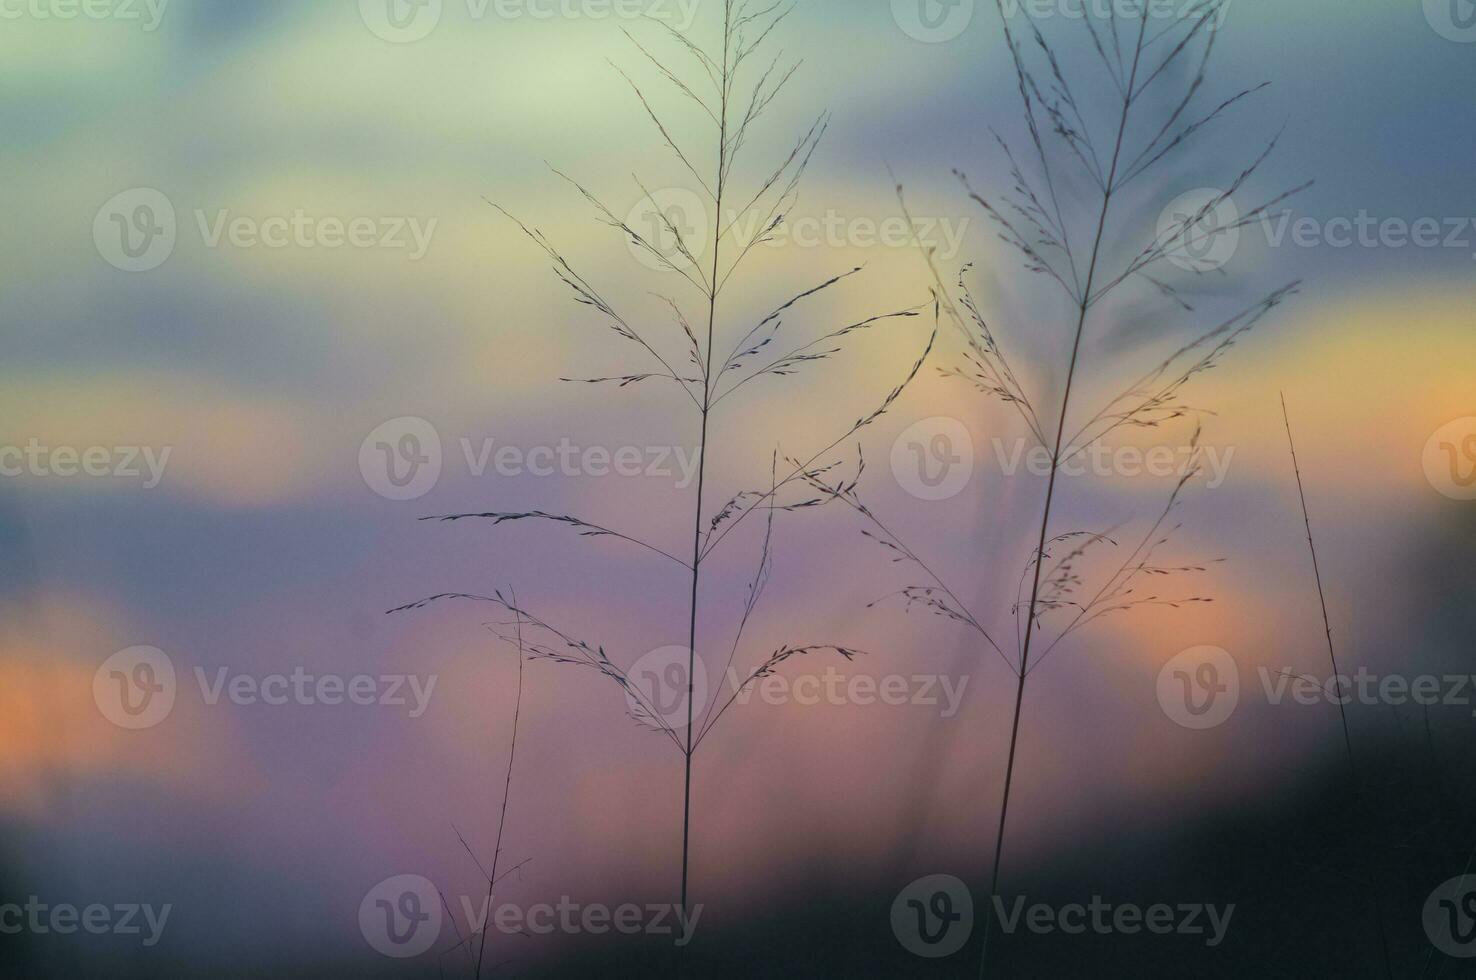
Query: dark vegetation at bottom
point(1295, 868)
point(1294, 864)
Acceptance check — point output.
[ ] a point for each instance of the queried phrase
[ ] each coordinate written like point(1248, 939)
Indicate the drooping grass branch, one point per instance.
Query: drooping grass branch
point(585, 528)
point(728, 88)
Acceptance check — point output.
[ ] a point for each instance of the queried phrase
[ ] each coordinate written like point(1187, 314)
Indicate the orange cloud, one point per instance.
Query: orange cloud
point(53, 735)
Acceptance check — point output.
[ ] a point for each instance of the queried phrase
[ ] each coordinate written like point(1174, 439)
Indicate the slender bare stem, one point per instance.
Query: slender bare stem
point(512, 753)
point(1332, 656)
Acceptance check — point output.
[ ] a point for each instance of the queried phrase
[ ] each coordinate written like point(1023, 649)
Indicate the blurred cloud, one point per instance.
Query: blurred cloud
point(53, 737)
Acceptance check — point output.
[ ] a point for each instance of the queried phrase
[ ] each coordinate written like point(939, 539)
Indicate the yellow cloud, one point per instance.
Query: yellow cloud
point(1369, 379)
point(229, 448)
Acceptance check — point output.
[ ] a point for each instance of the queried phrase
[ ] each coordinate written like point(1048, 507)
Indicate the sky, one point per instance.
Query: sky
point(248, 241)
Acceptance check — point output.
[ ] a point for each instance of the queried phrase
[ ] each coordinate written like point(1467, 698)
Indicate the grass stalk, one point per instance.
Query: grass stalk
point(1034, 219)
point(1332, 656)
point(512, 754)
point(732, 90)
point(702, 443)
point(1055, 470)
